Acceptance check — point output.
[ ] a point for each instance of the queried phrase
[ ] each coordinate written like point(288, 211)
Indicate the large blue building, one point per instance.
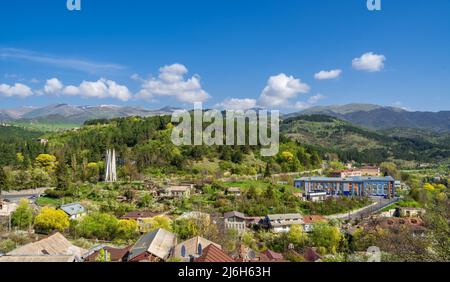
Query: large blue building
point(350, 186)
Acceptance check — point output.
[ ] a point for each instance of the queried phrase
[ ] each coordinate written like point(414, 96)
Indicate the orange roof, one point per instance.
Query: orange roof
point(213, 254)
point(308, 219)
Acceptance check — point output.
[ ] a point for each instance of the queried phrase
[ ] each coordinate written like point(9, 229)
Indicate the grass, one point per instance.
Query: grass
point(45, 201)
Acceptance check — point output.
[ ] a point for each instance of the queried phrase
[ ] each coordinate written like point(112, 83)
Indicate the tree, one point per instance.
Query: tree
point(267, 171)
point(296, 236)
point(127, 229)
point(158, 222)
point(46, 161)
point(389, 169)
point(326, 236)
point(103, 256)
point(185, 229)
point(98, 225)
point(50, 219)
point(23, 216)
point(93, 172)
point(3, 180)
point(62, 176)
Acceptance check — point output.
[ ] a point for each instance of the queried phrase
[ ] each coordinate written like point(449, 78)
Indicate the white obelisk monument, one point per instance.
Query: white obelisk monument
point(111, 174)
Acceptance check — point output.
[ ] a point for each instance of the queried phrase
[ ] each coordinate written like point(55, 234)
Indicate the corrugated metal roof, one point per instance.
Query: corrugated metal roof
point(41, 258)
point(158, 243)
point(73, 209)
point(55, 244)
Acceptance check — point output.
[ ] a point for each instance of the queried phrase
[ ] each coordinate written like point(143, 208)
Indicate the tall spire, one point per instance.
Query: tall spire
point(110, 175)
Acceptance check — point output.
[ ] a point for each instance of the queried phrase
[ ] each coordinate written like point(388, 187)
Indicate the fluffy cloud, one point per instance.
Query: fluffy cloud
point(280, 89)
point(235, 104)
point(309, 103)
point(99, 89)
point(171, 82)
point(53, 86)
point(332, 74)
point(369, 62)
point(17, 90)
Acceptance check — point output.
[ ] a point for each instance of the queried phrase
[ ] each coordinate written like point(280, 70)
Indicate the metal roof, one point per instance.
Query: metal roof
point(158, 243)
point(346, 179)
point(73, 209)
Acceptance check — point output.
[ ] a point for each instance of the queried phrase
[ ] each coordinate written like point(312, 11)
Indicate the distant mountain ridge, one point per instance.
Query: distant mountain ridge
point(74, 114)
point(381, 117)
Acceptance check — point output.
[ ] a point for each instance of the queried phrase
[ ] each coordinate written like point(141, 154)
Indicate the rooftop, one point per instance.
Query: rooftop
point(213, 254)
point(53, 245)
point(158, 243)
point(73, 209)
point(346, 179)
point(234, 214)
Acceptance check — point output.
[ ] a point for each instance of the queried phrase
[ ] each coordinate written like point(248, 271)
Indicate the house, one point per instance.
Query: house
point(234, 191)
point(139, 216)
point(370, 171)
point(235, 220)
point(310, 220)
point(42, 141)
point(213, 254)
point(153, 247)
point(195, 215)
point(192, 248)
point(7, 208)
point(74, 211)
point(410, 212)
point(52, 246)
point(346, 173)
point(414, 224)
point(283, 222)
point(181, 191)
point(271, 256)
point(39, 258)
point(317, 196)
point(115, 254)
point(311, 255)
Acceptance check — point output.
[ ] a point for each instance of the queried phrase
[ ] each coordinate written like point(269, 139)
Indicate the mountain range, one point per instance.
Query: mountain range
point(72, 114)
point(365, 115)
point(381, 117)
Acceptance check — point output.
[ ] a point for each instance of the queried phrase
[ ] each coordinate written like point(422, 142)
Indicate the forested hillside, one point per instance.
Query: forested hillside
point(363, 145)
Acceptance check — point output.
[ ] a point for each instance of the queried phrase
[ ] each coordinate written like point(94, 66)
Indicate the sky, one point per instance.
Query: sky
point(235, 54)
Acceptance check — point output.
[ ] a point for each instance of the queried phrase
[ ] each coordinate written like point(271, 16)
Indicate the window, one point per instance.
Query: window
point(183, 251)
point(200, 249)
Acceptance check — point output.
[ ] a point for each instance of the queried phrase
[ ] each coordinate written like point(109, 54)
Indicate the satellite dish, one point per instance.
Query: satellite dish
point(251, 254)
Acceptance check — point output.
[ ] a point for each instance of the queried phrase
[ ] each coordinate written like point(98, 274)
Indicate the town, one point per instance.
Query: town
point(171, 225)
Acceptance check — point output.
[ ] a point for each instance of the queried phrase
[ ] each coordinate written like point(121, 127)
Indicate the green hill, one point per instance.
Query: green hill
point(351, 142)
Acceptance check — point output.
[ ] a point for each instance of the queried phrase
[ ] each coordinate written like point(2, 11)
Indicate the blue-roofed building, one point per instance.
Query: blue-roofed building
point(74, 211)
point(350, 186)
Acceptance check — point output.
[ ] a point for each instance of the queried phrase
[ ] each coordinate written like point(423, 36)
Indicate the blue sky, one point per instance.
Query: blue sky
point(233, 53)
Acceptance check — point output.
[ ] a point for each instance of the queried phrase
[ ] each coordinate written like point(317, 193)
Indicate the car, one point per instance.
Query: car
point(34, 197)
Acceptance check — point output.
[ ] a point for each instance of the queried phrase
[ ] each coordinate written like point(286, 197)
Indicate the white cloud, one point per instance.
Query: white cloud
point(18, 90)
point(309, 103)
point(235, 104)
point(332, 74)
point(99, 89)
point(280, 89)
point(62, 62)
point(369, 62)
point(53, 86)
point(172, 83)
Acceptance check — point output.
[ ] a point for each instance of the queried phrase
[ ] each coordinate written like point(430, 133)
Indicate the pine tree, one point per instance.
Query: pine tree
point(3, 180)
